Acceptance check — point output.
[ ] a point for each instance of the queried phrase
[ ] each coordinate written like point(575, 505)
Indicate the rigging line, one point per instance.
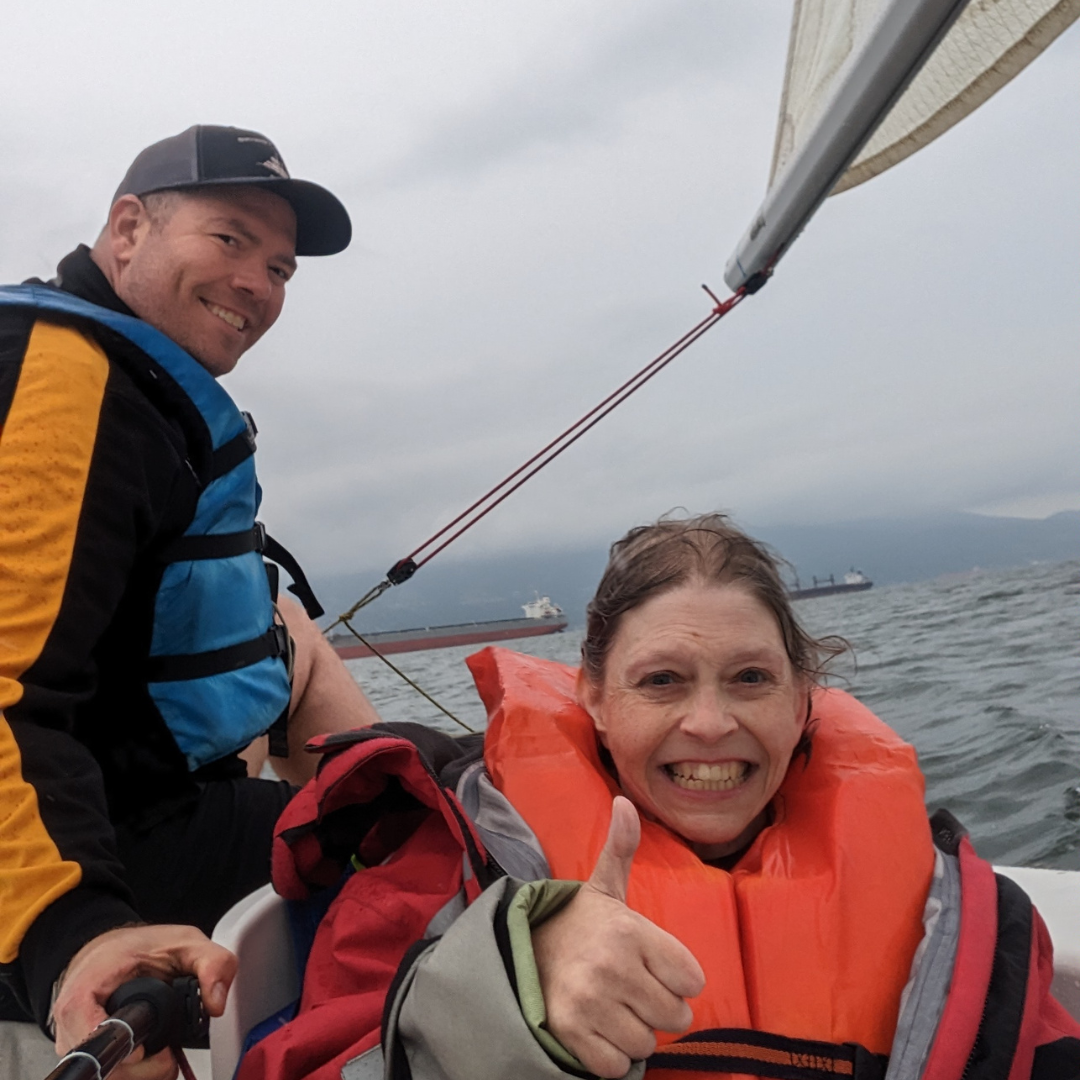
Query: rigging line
point(397, 671)
point(404, 568)
point(705, 323)
point(372, 594)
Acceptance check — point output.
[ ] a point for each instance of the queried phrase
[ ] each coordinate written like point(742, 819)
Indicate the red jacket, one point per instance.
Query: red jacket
point(377, 826)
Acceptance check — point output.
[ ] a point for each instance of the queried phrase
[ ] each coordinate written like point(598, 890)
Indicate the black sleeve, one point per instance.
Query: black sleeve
point(1058, 1060)
point(75, 813)
point(74, 559)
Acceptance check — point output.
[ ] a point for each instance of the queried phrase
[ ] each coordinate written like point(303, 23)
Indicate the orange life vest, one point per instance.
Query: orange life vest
point(812, 934)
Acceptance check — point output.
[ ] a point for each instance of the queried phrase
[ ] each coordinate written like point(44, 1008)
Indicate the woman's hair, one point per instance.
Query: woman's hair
point(654, 559)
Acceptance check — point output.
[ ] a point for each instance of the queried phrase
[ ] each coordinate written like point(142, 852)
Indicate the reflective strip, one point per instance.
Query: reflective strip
point(740, 1054)
point(45, 453)
point(761, 1053)
point(367, 1066)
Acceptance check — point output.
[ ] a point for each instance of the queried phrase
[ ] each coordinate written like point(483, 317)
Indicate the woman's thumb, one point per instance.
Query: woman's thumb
point(612, 871)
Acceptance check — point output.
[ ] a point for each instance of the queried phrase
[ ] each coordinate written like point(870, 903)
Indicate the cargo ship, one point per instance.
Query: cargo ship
point(854, 581)
point(541, 617)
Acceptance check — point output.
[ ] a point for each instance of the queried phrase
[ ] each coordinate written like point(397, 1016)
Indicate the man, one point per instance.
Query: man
point(140, 652)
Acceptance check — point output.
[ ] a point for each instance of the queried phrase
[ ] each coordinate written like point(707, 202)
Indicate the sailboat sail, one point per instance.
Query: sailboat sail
point(869, 82)
point(990, 43)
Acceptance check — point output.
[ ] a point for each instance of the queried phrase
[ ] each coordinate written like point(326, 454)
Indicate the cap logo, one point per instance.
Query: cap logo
point(275, 165)
point(214, 154)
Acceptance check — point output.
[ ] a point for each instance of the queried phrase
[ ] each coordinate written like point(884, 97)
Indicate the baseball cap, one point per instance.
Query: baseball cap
point(207, 155)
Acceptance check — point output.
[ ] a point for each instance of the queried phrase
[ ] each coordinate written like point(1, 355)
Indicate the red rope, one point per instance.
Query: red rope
point(575, 431)
point(661, 361)
point(550, 452)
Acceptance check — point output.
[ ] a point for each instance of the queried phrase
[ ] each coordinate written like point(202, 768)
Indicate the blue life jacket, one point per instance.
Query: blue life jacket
point(217, 669)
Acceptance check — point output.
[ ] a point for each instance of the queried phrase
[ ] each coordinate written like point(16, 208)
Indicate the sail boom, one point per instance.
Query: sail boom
point(897, 46)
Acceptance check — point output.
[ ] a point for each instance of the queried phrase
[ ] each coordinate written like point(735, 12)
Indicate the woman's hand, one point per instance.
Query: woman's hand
point(610, 977)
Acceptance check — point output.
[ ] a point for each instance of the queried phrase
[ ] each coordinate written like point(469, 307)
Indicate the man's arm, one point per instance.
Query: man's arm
point(56, 851)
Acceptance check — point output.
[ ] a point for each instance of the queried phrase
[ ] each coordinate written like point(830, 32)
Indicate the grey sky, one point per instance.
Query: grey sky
point(537, 191)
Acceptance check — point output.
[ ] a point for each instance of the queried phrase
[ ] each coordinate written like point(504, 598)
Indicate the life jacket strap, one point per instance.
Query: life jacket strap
point(273, 579)
point(202, 665)
point(237, 449)
point(215, 545)
point(760, 1053)
point(226, 545)
point(299, 587)
point(278, 735)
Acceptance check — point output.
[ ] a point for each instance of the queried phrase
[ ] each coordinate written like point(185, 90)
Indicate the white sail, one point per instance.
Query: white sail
point(869, 82)
point(990, 42)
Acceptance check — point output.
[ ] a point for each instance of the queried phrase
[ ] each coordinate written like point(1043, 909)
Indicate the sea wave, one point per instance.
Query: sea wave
point(979, 672)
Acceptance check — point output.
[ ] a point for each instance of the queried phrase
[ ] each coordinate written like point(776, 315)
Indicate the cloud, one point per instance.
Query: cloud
point(598, 80)
point(537, 192)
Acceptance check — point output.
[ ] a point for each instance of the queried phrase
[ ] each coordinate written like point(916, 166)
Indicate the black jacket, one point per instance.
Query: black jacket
point(97, 446)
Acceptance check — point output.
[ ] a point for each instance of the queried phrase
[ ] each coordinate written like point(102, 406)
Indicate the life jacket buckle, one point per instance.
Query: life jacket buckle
point(281, 639)
point(259, 532)
point(252, 429)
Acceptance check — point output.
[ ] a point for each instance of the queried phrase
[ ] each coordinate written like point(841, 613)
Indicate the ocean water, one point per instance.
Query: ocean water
point(981, 672)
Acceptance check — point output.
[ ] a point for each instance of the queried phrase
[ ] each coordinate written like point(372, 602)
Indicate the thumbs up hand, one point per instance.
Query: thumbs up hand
point(610, 977)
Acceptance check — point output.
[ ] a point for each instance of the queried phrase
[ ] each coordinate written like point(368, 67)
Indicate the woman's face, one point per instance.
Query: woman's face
point(701, 709)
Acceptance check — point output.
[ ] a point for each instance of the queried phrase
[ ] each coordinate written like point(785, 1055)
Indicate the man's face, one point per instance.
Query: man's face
point(209, 270)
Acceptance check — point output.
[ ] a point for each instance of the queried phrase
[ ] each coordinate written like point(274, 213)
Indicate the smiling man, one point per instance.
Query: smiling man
point(207, 269)
point(143, 649)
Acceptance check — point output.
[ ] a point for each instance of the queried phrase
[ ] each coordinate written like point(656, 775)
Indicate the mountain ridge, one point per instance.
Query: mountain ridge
point(889, 551)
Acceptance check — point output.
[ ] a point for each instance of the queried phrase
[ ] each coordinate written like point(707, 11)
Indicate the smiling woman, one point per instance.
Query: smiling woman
point(698, 676)
point(755, 851)
point(697, 691)
point(686, 861)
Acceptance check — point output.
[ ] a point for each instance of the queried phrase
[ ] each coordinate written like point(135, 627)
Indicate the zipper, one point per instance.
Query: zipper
point(969, 1064)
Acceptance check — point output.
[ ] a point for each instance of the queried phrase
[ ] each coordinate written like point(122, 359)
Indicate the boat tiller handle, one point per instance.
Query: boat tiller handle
point(144, 1012)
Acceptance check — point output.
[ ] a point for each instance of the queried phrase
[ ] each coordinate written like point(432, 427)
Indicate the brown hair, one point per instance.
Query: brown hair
point(654, 559)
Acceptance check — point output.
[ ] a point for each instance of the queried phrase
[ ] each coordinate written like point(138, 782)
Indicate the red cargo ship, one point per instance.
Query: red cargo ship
point(541, 617)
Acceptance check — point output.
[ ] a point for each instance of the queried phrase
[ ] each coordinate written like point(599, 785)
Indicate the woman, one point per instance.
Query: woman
point(758, 869)
point(697, 680)
point(756, 849)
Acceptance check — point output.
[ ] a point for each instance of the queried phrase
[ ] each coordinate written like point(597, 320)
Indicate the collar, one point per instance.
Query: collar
point(80, 275)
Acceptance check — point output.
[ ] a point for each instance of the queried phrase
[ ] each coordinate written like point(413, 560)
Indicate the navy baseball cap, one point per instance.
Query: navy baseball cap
point(209, 156)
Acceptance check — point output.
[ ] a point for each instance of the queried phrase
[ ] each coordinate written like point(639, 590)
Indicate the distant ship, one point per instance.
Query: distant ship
point(854, 581)
point(541, 617)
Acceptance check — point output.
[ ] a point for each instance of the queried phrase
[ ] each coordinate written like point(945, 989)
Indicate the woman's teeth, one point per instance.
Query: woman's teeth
point(234, 320)
point(698, 776)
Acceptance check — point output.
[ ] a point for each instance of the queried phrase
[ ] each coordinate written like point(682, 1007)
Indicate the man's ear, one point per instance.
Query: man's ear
point(128, 221)
point(589, 697)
